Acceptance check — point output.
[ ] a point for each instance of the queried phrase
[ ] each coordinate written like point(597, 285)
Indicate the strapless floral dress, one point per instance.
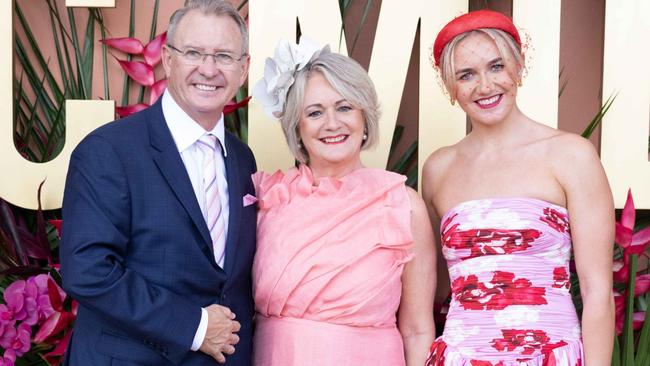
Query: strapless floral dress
point(508, 262)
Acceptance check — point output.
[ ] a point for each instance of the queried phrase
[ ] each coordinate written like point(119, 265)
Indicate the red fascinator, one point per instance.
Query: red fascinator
point(472, 21)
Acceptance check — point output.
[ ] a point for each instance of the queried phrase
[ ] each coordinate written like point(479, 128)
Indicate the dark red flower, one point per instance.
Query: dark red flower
point(529, 340)
point(502, 291)
point(436, 354)
point(561, 278)
point(556, 219)
point(232, 106)
point(489, 241)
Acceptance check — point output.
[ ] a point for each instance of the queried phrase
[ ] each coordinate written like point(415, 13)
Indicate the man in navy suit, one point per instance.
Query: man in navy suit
point(157, 255)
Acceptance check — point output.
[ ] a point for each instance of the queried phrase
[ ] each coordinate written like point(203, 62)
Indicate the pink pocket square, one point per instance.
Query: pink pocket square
point(249, 199)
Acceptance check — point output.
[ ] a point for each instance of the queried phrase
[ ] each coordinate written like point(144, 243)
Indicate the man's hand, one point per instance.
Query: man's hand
point(220, 337)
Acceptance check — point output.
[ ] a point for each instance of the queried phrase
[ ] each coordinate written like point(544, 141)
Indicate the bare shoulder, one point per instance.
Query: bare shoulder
point(567, 149)
point(438, 162)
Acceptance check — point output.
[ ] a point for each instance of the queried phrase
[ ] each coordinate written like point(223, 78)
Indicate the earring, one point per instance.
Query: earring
point(453, 101)
point(300, 144)
point(365, 136)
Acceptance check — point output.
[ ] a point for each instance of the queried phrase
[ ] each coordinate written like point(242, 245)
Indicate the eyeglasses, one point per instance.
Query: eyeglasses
point(196, 58)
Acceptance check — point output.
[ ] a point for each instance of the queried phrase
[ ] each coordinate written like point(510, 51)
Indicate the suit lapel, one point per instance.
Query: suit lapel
point(169, 162)
point(234, 202)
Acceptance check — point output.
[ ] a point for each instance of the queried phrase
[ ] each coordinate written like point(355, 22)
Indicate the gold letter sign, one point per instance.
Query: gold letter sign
point(625, 128)
point(624, 141)
point(21, 177)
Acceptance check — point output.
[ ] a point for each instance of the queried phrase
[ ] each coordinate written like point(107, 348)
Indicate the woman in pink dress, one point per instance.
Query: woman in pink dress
point(344, 272)
point(511, 199)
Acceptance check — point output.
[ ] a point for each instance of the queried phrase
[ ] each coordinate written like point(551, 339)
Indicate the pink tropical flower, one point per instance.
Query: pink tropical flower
point(153, 50)
point(626, 238)
point(140, 72)
point(21, 303)
point(9, 358)
point(157, 89)
point(45, 286)
point(20, 342)
point(130, 109)
point(132, 46)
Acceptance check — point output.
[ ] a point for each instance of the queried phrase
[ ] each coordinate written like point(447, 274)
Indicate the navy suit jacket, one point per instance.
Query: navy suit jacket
point(136, 252)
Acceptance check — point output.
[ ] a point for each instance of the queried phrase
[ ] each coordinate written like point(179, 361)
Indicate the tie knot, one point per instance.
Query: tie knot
point(208, 141)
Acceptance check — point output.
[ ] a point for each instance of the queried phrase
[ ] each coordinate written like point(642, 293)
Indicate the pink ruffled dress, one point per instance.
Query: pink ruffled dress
point(508, 262)
point(327, 272)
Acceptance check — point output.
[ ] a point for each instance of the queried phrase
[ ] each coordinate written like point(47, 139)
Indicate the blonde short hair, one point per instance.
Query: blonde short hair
point(508, 48)
point(349, 79)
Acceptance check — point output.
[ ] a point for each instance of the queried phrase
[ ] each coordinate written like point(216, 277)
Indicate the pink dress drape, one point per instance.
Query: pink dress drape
point(327, 272)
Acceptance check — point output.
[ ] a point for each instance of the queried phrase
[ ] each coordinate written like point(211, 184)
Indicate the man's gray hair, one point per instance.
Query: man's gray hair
point(209, 7)
point(349, 79)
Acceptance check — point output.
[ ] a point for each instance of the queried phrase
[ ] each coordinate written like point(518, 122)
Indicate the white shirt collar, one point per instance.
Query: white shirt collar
point(185, 130)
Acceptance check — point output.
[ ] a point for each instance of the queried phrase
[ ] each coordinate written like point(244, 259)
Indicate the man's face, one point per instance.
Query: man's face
point(202, 88)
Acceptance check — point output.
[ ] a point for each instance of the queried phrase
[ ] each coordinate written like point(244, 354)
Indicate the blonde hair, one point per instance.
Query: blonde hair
point(349, 79)
point(508, 48)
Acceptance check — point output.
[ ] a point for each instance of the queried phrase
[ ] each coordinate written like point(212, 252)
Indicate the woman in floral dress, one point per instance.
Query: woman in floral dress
point(511, 200)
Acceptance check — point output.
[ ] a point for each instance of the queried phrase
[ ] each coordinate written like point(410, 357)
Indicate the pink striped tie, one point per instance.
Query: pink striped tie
point(214, 219)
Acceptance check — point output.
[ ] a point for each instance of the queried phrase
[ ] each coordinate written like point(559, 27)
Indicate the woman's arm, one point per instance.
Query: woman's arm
point(591, 213)
point(415, 316)
point(431, 166)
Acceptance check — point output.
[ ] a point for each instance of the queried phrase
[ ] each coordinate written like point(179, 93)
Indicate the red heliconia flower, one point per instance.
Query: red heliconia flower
point(626, 238)
point(622, 269)
point(57, 225)
point(153, 50)
point(619, 314)
point(642, 285)
point(139, 71)
point(129, 45)
point(130, 109)
point(232, 106)
point(157, 90)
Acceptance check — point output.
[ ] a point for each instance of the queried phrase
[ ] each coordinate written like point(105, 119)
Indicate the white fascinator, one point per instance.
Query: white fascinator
point(279, 73)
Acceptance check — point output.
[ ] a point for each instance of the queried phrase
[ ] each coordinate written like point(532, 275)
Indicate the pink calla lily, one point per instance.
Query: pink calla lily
point(153, 50)
point(232, 106)
point(130, 109)
point(139, 71)
point(626, 238)
point(129, 45)
point(156, 90)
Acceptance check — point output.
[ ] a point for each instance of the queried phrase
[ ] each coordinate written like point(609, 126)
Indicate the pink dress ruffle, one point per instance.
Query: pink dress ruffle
point(327, 272)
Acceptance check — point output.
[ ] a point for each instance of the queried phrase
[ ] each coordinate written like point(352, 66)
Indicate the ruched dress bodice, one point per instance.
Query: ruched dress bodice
point(327, 272)
point(508, 261)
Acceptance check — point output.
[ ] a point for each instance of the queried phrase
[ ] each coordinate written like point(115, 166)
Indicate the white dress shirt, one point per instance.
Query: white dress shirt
point(186, 133)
